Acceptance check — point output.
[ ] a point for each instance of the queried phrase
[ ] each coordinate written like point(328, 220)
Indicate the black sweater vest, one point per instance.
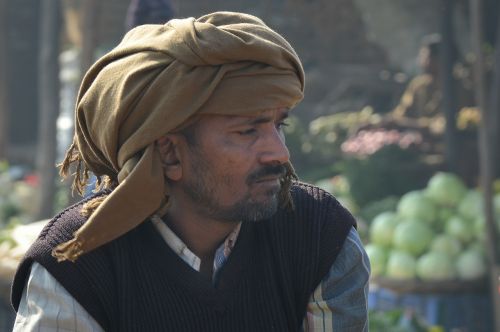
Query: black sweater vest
point(137, 283)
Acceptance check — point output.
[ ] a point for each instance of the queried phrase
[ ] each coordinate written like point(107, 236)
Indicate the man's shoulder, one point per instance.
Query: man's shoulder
point(309, 193)
point(310, 200)
point(62, 226)
point(304, 189)
point(310, 235)
point(421, 81)
point(58, 230)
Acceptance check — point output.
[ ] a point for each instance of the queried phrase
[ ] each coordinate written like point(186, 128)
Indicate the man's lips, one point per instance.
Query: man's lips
point(267, 174)
point(275, 178)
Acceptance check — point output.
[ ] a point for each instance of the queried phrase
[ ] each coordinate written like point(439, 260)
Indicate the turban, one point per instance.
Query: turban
point(157, 78)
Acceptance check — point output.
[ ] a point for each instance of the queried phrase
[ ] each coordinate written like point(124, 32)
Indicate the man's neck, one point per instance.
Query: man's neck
point(202, 236)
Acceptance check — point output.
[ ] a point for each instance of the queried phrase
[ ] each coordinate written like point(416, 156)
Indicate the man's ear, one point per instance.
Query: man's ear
point(168, 146)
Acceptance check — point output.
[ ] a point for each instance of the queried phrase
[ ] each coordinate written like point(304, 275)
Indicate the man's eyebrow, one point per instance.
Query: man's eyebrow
point(269, 118)
point(284, 115)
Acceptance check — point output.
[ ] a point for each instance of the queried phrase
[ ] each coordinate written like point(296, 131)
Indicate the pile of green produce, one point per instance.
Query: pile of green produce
point(434, 234)
point(398, 320)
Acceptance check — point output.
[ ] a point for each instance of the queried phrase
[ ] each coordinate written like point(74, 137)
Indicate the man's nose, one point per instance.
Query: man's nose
point(274, 150)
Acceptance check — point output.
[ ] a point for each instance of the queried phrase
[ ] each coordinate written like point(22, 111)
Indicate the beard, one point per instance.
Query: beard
point(204, 189)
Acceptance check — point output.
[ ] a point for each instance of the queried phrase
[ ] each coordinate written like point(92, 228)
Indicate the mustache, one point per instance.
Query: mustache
point(269, 170)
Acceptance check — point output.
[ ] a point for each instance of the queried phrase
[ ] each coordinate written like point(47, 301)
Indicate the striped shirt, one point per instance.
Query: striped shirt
point(339, 303)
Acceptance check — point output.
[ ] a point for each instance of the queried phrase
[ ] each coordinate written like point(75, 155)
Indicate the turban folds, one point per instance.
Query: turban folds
point(158, 77)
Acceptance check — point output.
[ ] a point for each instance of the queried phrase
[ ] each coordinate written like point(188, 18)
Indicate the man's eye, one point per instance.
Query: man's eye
point(249, 131)
point(282, 125)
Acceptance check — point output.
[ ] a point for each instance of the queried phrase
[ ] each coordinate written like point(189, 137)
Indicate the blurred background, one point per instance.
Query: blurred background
point(400, 122)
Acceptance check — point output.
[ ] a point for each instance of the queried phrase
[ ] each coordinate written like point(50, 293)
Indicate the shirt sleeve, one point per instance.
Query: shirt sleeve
point(47, 306)
point(340, 302)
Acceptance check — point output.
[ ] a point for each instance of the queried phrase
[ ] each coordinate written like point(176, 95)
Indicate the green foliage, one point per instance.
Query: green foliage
point(373, 209)
point(17, 196)
point(308, 164)
point(337, 127)
point(391, 171)
point(4, 166)
point(396, 320)
point(61, 199)
point(6, 233)
point(9, 210)
point(315, 147)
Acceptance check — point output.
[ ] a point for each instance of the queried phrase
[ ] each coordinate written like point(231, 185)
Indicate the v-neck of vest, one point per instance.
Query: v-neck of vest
point(228, 277)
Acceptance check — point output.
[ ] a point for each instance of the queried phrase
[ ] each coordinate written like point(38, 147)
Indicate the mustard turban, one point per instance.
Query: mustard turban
point(152, 82)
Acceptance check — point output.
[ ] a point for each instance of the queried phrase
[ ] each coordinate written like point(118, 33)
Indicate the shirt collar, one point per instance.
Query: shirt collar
point(180, 248)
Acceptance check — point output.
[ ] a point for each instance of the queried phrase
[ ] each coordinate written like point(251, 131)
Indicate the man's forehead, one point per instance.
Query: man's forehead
point(269, 114)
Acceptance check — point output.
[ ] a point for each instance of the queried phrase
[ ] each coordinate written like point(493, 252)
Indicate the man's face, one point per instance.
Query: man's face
point(427, 61)
point(234, 167)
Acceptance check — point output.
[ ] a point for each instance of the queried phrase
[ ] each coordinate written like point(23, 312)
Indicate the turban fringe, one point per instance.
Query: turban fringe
point(156, 79)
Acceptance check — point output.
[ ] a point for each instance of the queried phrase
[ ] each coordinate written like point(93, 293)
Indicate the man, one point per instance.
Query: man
point(201, 225)
point(422, 98)
point(421, 107)
point(421, 103)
